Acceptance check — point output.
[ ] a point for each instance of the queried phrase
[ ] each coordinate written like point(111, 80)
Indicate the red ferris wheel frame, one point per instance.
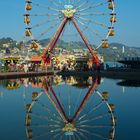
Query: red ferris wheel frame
point(60, 109)
point(57, 35)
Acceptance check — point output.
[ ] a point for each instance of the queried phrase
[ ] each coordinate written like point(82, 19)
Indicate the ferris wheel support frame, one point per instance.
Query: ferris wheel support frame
point(59, 104)
point(61, 110)
point(95, 57)
point(88, 94)
point(57, 35)
point(54, 40)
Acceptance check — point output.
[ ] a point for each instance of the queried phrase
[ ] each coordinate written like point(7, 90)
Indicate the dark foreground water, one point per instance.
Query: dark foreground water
point(70, 108)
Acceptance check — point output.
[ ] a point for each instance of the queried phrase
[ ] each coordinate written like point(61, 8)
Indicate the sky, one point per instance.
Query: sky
point(127, 27)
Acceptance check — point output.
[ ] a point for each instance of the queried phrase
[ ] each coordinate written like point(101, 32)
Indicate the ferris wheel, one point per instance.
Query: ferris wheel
point(52, 115)
point(91, 22)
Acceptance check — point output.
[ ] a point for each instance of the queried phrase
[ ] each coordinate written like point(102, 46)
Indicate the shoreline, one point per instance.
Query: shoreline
point(115, 74)
point(16, 75)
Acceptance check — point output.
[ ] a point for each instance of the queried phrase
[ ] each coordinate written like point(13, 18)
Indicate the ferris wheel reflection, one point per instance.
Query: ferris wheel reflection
point(69, 109)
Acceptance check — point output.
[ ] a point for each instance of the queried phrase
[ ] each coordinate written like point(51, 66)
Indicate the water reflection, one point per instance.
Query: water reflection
point(11, 84)
point(68, 108)
point(129, 83)
point(1, 94)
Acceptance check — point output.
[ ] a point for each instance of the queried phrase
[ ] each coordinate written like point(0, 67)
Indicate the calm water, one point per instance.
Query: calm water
point(69, 108)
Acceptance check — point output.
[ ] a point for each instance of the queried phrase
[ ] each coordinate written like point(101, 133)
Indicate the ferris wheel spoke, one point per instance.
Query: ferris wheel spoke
point(61, 3)
point(95, 33)
point(45, 22)
point(50, 120)
point(69, 102)
point(56, 135)
point(81, 22)
point(69, 1)
point(65, 1)
point(75, 34)
point(74, 137)
point(45, 118)
point(40, 116)
point(78, 100)
point(57, 130)
point(92, 6)
point(44, 126)
point(89, 112)
point(91, 21)
point(46, 14)
point(55, 3)
point(46, 108)
point(76, 4)
point(69, 137)
point(50, 113)
point(73, 2)
point(77, 136)
point(91, 30)
point(78, 1)
point(61, 138)
point(82, 18)
point(46, 6)
point(94, 118)
point(94, 126)
point(94, 134)
point(48, 30)
point(82, 4)
point(69, 39)
point(86, 27)
point(90, 44)
point(82, 135)
point(99, 23)
point(60, 98)
point(98, 46)
point(44, 134)
point(92, 14)
point(56, 108)
point(40, 135)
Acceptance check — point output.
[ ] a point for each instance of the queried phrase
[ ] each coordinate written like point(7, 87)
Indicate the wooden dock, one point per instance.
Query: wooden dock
point(15, 75)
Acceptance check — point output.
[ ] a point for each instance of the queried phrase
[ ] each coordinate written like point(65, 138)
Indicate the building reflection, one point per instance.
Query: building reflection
point(129, 83)
point(69, 108)
point(11, 84)
point(1, 94)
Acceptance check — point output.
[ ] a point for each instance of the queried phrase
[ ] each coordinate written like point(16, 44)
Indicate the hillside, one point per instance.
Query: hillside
point(114, 52)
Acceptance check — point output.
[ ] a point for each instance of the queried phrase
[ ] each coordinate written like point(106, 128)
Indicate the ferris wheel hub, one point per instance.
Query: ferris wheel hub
point(69, 129)
point(68, 11)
